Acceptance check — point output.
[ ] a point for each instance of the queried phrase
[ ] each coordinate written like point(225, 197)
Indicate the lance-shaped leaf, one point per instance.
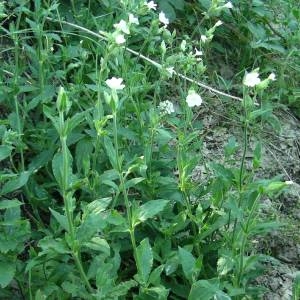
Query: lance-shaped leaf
point(150, 209)
point(144, 260)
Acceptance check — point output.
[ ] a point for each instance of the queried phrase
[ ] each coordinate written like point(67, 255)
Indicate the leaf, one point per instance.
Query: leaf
point(210, 228)
point(296, 287)
point(16, 183)
point(48, 113)
point(257, 155)
point(58, 245)
point(268, 46)
point(110, 151)
point(260, 112)
point(155, 275)
point(163, 136)
point(188, 262)
point(122, 289)
point(40, 160)
point(98, 244)
point(4, 204)
point(5, 151)
point(144, 260)
point(84, 149)
point(7, 272)
point(231, 146)
point(74, 122)
point(171, 265)
point(99, 205)
point(93, 223)
point(133, 182)
point(225, 264)
point(57, 168)
point(204, 290)
point(39, 295)
point(61, 219)
point(150, 209)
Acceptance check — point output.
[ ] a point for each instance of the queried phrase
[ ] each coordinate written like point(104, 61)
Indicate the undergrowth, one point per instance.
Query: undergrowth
point(99, 140)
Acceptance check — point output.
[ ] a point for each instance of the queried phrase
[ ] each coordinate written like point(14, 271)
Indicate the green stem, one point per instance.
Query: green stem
point(242, 167)
point(123, 189)
point(82, 272)
point(99, 112)
point(194, 228)
point(29, 285)
point(182, 184)
point(68, 209)
point(244, 240)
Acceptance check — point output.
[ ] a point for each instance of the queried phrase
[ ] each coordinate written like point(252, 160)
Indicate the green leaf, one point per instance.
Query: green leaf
point(188, 263)
point(163, 136)
point(122, 289)
point(144, 260)
point(110, 151)
point(296, 287)
point(62, 103)
point(58, 245)
point(257, 155)
point(72, 123)
point(150, 209)
point(57, 168)
point(4, 204)
point(171, 265)
point(231, 146)
point(93, 223)
point(48, 113)
point(39, 295)
point(84, 150)
point(98, 244)
point(225, 264)
point(5, 151)
point(133, 182)
point(155, 275)
point(61, 219)
point(98, 205)
point(204, 290)
point(16, 183)
point(268, 46)
point(40, 160)
point(7, 272)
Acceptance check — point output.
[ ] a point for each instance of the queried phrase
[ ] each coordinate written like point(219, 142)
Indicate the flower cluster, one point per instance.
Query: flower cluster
point(123, 27)
point(166, 107)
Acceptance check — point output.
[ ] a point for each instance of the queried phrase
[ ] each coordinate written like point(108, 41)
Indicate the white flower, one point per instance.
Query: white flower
point(115, 83)
point(204, 38)
point(183, 45)
point(272, 76)
point(228, 5)
point(120, 39)
point(251, 79)
point(289, 182)
point(166, 107)
point(133, 19)
point(219, 23)
point(198, 52)
point(151, 5)
point(193, 99)
point(122, 26)
point(163, 19)
point(170, 70)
